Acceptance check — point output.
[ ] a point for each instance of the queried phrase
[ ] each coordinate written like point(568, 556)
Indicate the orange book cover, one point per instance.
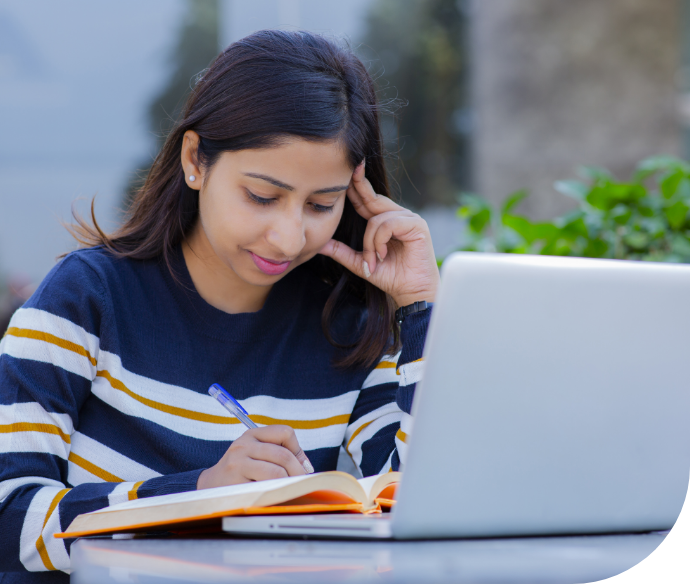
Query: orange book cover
point(328, 492)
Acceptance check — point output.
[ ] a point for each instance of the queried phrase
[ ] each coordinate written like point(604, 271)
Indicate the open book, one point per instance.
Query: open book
point(315, 493)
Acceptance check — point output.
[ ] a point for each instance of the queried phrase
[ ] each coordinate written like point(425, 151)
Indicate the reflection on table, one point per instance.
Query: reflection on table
point(548, 559)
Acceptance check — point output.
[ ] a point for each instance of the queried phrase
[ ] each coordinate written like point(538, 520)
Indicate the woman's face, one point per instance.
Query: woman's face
point(263, 212)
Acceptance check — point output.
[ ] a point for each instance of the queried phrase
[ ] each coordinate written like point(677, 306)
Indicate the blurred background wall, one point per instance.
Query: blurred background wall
point(560, 83)
point(490, 96)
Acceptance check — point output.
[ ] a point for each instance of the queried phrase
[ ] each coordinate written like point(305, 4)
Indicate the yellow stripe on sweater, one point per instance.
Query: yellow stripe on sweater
point(40, 544)
point(132, 494)
point(175, 411)
point(213, 419)
point(400, 435)
point(93, 469)
point(32, 427)
point(385, 365)
point(355, 433)
point(48, 338)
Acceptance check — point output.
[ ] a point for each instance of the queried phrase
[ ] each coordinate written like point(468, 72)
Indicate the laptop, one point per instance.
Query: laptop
point(555, 400)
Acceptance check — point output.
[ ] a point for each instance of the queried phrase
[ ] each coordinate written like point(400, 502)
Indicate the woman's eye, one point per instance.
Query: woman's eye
point(321, 208)
point(259, 200)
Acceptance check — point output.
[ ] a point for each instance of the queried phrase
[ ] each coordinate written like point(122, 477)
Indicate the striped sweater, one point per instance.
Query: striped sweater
point(103, 379)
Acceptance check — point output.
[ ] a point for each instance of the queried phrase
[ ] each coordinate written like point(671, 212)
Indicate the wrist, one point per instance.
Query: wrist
point(203, 480)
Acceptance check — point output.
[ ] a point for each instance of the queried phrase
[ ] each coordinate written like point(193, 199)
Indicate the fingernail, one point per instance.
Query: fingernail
point(304, 461)
point(379, 257)
point(365, 267)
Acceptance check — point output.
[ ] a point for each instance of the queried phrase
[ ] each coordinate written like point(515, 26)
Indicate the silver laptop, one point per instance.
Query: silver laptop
point(555, 401)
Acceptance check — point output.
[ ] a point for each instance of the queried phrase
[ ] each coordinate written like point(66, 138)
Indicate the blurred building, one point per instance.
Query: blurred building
point(559, 84)
point(75, 79)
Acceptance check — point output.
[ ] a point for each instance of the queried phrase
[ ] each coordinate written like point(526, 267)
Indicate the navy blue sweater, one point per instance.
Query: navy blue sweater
point(103, 380)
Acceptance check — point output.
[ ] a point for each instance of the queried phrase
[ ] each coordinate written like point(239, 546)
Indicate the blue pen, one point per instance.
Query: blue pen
point(234, 407)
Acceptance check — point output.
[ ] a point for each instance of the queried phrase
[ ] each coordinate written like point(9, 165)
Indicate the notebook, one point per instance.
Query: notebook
point(316, 493)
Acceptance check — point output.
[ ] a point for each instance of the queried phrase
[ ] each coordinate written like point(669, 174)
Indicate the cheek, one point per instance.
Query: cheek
point(228, 223)
point(322, 230)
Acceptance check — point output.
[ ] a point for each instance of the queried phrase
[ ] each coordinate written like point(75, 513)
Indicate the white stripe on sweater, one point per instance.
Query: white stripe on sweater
point(379, 418)
point(32, 529)
point(411, 373)
point(6, 487)
point(105, 458)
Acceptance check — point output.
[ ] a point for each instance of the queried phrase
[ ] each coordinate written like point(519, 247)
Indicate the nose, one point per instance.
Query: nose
point(287, 234)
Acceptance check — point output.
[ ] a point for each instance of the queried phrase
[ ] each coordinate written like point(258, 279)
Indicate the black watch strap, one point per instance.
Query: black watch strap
point(404, 311)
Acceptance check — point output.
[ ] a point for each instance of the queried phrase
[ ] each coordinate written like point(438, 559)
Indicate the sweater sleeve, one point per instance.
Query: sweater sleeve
point(49, 358)
point(378, 430)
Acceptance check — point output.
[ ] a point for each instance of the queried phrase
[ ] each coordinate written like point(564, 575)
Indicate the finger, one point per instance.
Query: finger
point(260, 470)
point(376, 249)
point(283, 436)
point(347, 257)
point(401, 228)
point(278, 455)
point(357, 202)
point(365, 199)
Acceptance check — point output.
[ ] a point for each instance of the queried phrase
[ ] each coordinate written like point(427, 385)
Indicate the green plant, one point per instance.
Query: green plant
point(644, 219)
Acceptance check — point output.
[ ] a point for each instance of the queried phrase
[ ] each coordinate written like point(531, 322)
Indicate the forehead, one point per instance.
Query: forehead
point(303, 164)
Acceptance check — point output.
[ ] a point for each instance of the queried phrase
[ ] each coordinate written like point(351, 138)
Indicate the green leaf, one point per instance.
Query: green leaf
point(572, 188)
point(595, 173)
point(656, 164)
point(680, 245)
point(676, 214)
point(547, 231)
point(669, 184)
point(596, 248)
point(523, 227)
point(479, 220)
point(606, 197)
point(647, 207)
point(683, 190)
point(575, 230)
point(477, 211)
point(654, 226)
point(513, 200)
point(637, 240)
point(621, 214)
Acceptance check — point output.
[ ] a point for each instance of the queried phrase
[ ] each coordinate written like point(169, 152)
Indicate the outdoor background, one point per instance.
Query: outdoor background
point(495, 96)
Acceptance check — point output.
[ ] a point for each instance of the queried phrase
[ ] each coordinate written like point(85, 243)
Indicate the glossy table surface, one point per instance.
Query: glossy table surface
point(226, 559)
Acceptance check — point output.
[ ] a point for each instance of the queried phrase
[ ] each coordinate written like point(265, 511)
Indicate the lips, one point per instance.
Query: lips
point(269, 267)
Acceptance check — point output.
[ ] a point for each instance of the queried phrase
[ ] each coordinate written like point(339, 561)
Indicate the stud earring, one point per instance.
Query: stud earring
point(192, 178)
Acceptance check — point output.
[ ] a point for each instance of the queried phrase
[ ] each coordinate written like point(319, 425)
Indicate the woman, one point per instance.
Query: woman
point(262, 253)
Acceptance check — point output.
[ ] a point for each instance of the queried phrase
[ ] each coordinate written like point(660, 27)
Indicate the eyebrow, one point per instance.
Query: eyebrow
point(282, 185)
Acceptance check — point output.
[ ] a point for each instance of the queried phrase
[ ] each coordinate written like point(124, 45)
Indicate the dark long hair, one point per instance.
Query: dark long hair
point(266, 87)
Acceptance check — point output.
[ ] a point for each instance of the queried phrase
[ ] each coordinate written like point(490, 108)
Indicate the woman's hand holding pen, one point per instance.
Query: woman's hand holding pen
point(270, 452)
point(398, 256)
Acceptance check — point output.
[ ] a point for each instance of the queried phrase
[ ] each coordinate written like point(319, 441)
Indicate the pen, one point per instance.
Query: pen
point(234, 407)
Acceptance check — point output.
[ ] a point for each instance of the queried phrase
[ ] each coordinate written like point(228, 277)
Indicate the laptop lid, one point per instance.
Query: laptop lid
point(555, 400)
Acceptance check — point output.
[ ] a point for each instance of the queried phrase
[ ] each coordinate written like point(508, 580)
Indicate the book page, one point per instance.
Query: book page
point(189, 496)
point(374, 485)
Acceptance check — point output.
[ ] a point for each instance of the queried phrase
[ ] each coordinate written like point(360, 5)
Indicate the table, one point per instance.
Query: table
point(229, 559)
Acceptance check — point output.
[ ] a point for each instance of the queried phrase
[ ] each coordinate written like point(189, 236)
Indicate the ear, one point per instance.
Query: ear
point(190, 147)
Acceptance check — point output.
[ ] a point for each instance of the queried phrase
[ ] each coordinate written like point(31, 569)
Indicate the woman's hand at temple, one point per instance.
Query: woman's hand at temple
point(398, 256)
point(270, 452)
